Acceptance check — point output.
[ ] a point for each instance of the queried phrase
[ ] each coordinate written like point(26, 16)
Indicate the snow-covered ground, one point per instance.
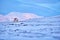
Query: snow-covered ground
point(47, 28)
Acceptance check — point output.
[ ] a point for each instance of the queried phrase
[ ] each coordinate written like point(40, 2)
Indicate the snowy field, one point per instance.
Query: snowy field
point(34, 29)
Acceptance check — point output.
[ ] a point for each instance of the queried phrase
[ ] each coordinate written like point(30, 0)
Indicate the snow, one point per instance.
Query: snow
point(41, 29)
point(20, 16)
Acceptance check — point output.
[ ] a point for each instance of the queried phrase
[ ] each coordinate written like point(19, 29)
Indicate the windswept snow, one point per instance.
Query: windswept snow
point(44, 28)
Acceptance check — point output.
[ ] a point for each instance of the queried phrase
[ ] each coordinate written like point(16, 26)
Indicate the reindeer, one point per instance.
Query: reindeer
point(15, 19)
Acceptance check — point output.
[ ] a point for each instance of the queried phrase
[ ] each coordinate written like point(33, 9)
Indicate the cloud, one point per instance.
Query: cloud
point(20, 16)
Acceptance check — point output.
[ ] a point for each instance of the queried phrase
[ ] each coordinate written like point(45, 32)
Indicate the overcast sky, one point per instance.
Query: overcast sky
point(39, 7)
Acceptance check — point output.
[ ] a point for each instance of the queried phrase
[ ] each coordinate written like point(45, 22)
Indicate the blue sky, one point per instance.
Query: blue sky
point(39, 7)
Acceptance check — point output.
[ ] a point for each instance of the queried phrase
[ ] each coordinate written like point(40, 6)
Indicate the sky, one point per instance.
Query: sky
point(38, 7)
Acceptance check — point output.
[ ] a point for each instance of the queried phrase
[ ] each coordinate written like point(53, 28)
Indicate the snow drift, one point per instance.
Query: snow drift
point(19, 16)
